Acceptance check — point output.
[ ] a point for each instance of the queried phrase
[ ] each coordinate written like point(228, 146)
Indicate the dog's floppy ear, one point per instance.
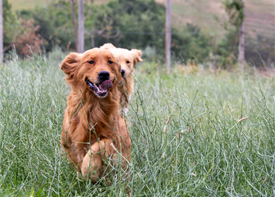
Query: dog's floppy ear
point(137, 55)
point(70, 64)
point(108, 46)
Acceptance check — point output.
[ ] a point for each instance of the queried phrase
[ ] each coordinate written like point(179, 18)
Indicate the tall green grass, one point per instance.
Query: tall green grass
point(202, 151)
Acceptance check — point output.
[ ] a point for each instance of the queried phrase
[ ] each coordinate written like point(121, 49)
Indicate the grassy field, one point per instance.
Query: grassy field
point(204, 151)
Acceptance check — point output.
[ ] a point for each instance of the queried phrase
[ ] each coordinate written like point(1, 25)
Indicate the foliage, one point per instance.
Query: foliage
point(229, 45)
point(10, 24)
point(20, 33)
point(141, 24)
point(235, 11)
point(204, 151)
point(127, 24)
point(191, 43)
point(28, 40)
point(55, 23)
point(130, 24)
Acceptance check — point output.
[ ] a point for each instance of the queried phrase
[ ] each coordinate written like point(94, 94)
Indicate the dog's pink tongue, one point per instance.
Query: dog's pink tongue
point(106, 85)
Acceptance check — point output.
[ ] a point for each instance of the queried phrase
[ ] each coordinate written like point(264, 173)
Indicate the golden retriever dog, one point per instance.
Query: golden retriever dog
point(128, 60)
point(93, 132)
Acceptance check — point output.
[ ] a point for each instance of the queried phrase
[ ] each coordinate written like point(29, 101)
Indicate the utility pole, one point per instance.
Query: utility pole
point(168, 36)
point(1, 32)
point(241, 57)
point(80, 26)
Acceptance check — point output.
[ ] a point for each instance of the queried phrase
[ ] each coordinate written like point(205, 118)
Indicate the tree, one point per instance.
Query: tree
point(235, 27)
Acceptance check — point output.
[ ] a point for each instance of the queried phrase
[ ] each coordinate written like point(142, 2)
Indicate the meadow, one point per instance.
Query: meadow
point(202, 151)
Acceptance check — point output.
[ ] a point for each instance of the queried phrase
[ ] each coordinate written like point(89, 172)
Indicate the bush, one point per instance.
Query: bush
point(190, 44)
point(28, 41)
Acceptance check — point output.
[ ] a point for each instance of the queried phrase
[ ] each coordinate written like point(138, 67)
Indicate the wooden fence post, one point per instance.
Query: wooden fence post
point(241, 57)
point(80, 26)
point(168, 36)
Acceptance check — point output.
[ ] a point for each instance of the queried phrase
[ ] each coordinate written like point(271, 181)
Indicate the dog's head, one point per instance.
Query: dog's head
point(127, 59)
point(95, 70)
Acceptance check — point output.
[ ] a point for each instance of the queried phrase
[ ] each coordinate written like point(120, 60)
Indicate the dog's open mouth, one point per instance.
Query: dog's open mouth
point(100, 90)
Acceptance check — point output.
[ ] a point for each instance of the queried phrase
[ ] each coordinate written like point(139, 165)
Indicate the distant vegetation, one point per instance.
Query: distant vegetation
point(123, 23)
point(129, 24)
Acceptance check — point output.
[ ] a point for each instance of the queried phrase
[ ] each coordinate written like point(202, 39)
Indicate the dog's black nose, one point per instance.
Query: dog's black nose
point(122, 72)
point(103, 75)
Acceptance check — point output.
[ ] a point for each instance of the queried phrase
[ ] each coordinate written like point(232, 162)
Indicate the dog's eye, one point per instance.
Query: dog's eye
point(110, 62)
point(128, 62)
point(91, 62)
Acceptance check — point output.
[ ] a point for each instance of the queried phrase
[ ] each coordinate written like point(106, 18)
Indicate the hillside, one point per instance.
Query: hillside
point(210, 15)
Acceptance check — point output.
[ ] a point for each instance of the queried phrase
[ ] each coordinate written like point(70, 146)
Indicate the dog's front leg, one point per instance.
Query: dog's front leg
point(92, 162)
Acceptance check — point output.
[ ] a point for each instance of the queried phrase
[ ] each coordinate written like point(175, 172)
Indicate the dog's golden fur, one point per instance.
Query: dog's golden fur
point(128, 60)
point(92, 129)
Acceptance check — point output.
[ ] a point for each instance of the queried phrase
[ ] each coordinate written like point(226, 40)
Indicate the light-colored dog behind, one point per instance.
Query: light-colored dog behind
point(127, 60)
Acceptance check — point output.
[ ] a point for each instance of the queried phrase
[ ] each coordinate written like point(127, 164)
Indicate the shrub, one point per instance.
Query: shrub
point(190, 44)
point(28, 41)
